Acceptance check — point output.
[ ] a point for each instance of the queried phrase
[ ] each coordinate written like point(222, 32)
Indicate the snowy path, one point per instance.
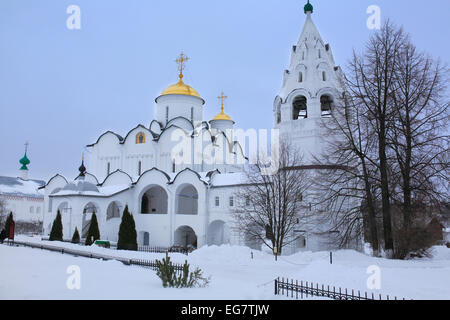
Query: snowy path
point(27, 273)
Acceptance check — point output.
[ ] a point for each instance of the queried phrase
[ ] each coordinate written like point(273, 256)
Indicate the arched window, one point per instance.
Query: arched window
point(187, 200)
point(31, 209)
point(140, 138)
point(300, 77)
point(324, 76)
point(192, 114)
point(139, 168)
point(278, 116)
point(320, 54)
point(326, 103)
point(108, 168)
point(299, 108)
point(303, 55)
point(154, 201)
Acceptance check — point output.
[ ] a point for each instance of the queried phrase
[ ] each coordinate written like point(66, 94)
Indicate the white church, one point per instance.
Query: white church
point(192, 203)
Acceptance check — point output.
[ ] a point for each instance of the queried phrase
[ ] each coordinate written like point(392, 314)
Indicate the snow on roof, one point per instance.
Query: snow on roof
point(19, 187)
point(228, 179)
point(88, 189)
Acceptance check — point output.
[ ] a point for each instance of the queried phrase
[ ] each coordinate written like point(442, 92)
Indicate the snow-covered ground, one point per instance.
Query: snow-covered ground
point(27, 273)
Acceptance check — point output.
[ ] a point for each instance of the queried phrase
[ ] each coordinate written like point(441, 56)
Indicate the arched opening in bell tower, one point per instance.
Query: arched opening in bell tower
point(299, 108)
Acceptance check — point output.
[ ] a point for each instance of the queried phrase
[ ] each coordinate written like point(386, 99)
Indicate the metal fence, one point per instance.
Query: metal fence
point(163, 249)
point(309, 289)
point(153, 265)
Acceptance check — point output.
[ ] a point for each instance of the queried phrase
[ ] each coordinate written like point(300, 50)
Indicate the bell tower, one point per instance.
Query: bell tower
point(310, 89)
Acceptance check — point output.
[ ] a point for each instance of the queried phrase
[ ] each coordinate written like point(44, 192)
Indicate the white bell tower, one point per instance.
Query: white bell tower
point(311, 87)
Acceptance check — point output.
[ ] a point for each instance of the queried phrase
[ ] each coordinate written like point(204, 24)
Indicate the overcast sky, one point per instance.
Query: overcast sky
point(60, 89)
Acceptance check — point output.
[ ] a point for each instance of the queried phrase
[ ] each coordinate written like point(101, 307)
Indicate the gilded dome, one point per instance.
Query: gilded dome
point(222, 116)
point(181, 88)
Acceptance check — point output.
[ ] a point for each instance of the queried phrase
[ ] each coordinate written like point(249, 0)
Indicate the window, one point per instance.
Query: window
point(247, 201)
point(174, 167)
point(31, 209)
point(299, 108)
point(217, 201)
point(139, 168)
point(320, 54)
point(326, 103)
point(140, 138)
point(167, 115)
point(108, 168)
point(300, 77)
point(50, 204)
point(192, 114)
point(38, 209)
point(231, 201)
point(303, 55)
point(324, 76)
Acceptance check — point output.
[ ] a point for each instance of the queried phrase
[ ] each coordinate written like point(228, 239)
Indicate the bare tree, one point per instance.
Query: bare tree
point(346, 182)
point(269, 206)
point(3, 213)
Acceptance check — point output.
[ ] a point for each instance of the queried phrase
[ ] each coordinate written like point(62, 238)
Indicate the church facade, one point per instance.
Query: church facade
point(190, 202)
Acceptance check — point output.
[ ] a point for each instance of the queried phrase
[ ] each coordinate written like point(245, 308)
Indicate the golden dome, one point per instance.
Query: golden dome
point(222, 116)
point(181, 88)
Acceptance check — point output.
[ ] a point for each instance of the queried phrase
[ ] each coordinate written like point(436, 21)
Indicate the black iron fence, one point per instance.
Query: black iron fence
point(301, 290)
point(153, 265)
point(163, 249)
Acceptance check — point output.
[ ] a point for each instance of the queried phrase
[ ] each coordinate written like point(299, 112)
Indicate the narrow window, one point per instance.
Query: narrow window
point(50, 204)
point(217, 201)
point(173, 166)
point(167, 115)
point(247, 201)
point(31, 209)
point(300, 77)
point(324, 76)
point(139, 168)
point(192, 114)
point(320, 54)
point(303, 55)
point(38, 209)
point(108, 168)
point(231, 201)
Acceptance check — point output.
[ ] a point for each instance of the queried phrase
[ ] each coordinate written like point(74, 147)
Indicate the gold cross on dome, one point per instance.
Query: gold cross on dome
point(181, 60)
point(222, 98)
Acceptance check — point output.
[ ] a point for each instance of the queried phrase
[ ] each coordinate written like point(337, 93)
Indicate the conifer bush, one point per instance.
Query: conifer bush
point(8, 223)
point(127, 232)
point(56, 234)
point(93, 232)
point(76, 236)
point(185, 279)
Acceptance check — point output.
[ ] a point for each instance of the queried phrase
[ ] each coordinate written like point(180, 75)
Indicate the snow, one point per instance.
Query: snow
point(228, 179)
point(40, 274)
point(17, 186)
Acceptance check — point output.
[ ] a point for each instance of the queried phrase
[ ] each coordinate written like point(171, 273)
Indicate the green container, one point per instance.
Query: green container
point(103, 243)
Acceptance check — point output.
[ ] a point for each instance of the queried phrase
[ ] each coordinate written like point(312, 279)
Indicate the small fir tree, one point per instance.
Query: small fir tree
point(127, 232)
point(93, 232)
point(56, 234)
point(185, 279)
point(76, 236)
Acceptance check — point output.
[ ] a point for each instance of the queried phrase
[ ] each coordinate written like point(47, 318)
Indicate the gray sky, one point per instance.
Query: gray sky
point(60, 89)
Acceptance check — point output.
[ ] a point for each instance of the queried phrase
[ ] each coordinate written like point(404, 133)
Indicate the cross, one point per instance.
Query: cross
point(181, 60)
point(222, 98)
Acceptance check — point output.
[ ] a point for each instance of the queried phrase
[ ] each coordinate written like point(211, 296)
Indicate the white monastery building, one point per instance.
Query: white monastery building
point(191, 203)
point(22, 195)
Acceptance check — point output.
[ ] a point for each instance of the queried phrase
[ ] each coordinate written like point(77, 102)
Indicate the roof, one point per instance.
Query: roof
point(18, 187)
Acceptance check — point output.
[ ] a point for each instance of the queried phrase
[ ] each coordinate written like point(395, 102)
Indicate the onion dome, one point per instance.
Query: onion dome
point(24, 162)
point(82, 168)
point(308, 8)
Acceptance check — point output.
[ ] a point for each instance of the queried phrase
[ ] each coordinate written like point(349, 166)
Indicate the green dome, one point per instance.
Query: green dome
point(308, 7)
point(24, 162)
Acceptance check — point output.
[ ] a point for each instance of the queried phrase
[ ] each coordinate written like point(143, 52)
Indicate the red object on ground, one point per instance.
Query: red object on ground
point(11, 230)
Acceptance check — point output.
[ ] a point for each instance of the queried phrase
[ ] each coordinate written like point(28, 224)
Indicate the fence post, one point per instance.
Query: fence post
point(276, 287)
